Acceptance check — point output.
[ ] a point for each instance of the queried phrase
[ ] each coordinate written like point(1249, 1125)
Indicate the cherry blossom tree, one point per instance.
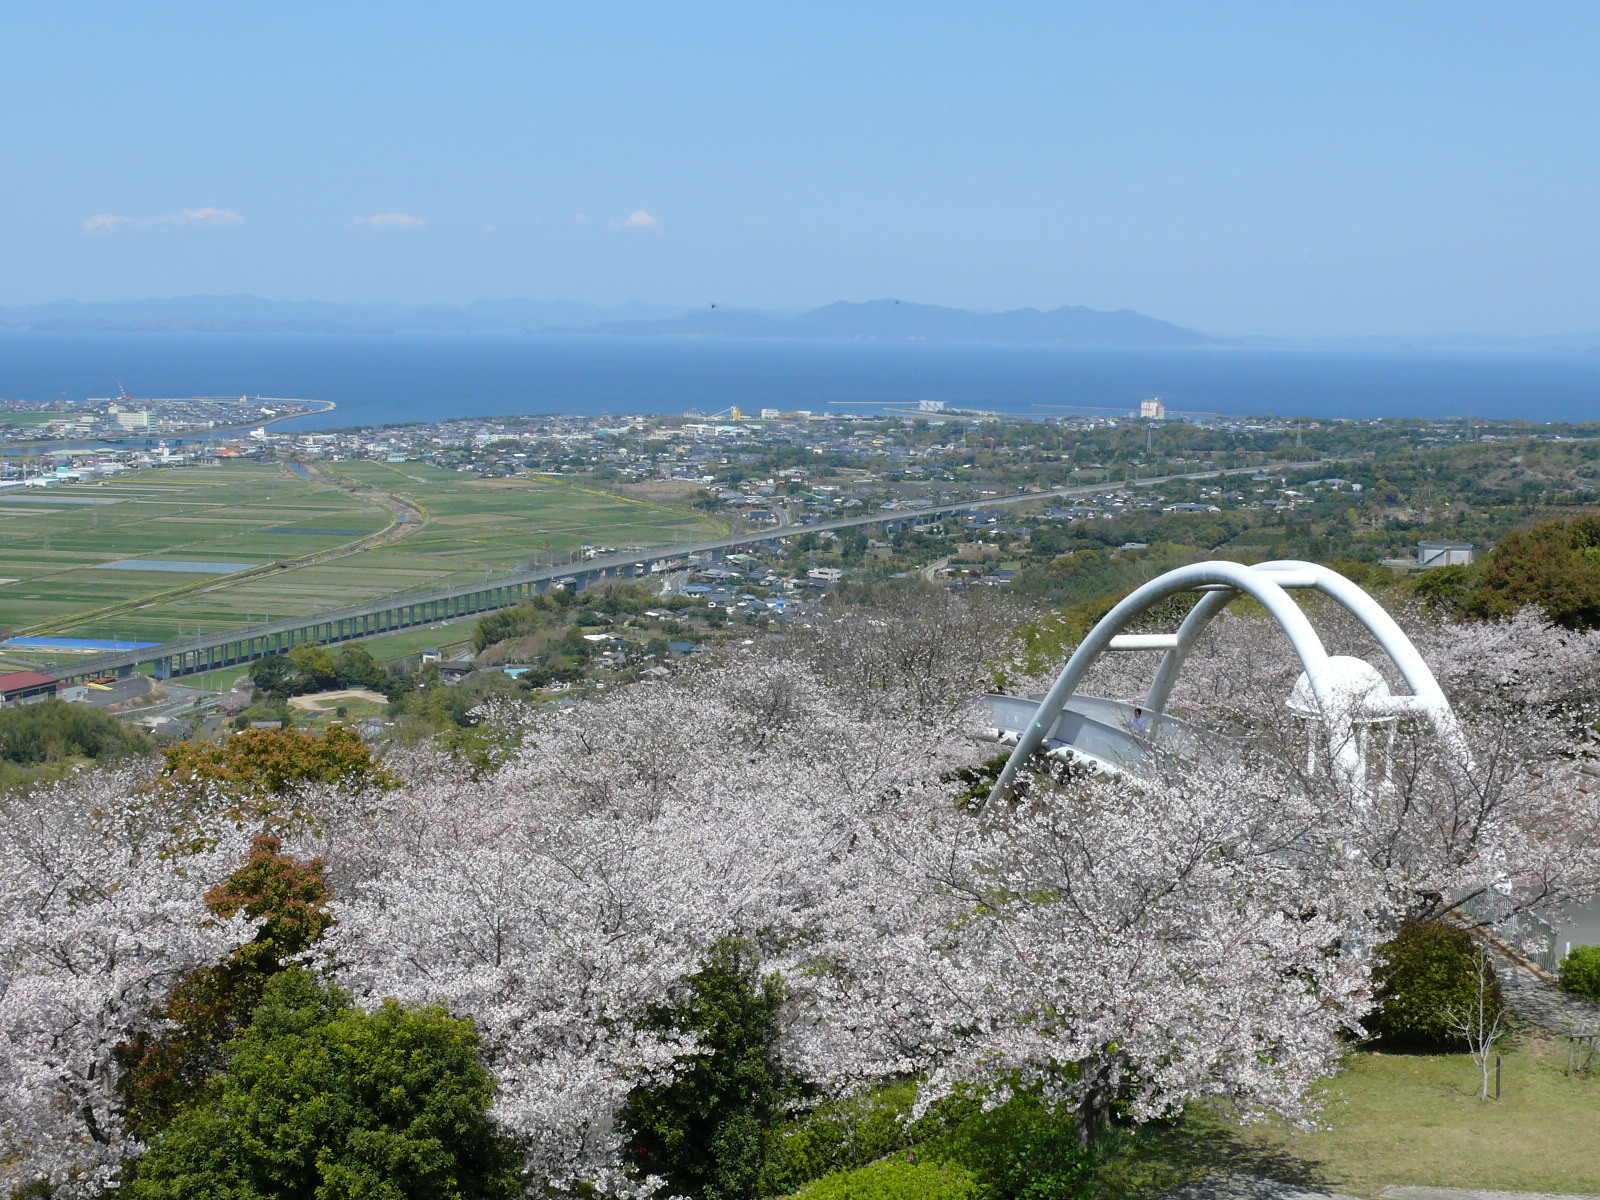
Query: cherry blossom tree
point(96, 921)
point(1158, 943)
point(1195, 945)
point(560, 899)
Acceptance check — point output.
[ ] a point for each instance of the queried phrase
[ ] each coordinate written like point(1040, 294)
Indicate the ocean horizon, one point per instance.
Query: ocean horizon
point(394, 378)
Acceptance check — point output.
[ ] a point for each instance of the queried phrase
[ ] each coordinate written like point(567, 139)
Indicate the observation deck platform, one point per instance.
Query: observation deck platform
point(1111, 735)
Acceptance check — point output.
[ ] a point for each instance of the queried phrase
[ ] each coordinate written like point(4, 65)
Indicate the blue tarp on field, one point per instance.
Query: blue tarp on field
point(70, 643)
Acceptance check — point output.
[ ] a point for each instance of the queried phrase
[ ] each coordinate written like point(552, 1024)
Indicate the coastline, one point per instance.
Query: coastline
point(198, 435)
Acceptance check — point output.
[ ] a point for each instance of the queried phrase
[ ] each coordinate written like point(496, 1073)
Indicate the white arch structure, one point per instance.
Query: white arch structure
point(1345, 692)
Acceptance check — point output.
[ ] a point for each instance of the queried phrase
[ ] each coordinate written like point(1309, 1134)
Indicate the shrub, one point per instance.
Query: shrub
point(1025, 1149)
point(897, 1179)
point(840, 1135)
point(320, 1099)
point(53, 730)
point(209, 1006)
point(1428, 971)
point(517, 621)
point(1553, 564)
point(259, 763)
point(1580, 972)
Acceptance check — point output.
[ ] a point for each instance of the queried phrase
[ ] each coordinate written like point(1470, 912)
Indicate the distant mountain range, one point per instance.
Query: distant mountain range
point(877, 320)
point(252, 314)
point(895, 320)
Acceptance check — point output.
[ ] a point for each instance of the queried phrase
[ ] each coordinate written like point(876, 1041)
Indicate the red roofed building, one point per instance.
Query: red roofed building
point(26, 687)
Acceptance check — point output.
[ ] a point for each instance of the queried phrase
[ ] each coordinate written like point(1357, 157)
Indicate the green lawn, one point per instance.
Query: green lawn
point(1394, 1119)
point(390, 646)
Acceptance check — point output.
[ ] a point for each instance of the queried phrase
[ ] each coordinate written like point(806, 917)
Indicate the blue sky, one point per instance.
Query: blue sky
point(1279, 168)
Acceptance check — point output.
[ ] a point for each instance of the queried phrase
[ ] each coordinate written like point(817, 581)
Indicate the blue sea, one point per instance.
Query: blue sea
point(421, 377)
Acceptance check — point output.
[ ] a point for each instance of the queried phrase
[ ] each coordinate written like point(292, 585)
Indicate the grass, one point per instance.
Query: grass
point(214, 681)
point(1394, 1119)
point(407, 642)
point(1389, 1120)
point(263, 513)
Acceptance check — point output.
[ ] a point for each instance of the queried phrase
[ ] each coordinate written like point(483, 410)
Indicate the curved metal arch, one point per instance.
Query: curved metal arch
point(1224, 583)
point(1427, 698)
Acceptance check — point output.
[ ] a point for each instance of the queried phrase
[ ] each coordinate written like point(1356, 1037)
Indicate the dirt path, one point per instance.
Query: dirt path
point(327, 701)
point(398, 508)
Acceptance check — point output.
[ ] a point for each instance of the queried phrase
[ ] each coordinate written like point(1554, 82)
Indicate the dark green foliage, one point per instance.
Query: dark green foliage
point(975, 783)
point(438, 707)
point(53, 730)
point(320, 1100)
point(355, 667)
point(1082, 576)
point(1023, 1150)
point(315, 668)
point(1429, 970)
point(552, 608)
point(273, 675)
point(898, 1179)
point(1580, 972)
point(1554, 565)
point(518, 621)
point(709, 1132)
point(1445, 589)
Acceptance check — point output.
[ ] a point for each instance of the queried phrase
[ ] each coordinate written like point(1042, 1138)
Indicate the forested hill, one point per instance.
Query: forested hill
point(902, 321)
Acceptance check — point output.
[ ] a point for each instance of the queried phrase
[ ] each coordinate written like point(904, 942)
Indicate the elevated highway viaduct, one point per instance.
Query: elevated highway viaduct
point(188, 656)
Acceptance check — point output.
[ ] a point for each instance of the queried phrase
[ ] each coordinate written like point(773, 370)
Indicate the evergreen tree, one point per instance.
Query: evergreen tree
point(321, 1100)
point(709, 1131)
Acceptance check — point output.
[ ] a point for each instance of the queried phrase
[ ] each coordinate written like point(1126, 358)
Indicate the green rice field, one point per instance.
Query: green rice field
point(55, 555)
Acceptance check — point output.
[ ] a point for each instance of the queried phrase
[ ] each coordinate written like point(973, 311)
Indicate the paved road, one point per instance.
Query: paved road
point(1248, 1187)
point(1541, 1003)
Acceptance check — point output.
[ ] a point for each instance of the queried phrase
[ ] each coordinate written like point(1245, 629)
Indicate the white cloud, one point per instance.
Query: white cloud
point(391, 221)
point(203, 216)
point(187, 218)
point(641, 220)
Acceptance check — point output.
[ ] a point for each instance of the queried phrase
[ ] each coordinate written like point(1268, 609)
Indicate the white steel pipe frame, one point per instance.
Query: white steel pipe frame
point(1223, 582)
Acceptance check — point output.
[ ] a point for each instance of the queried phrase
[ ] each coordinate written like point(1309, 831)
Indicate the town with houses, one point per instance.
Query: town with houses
point(1141, 492)
point(125, 417)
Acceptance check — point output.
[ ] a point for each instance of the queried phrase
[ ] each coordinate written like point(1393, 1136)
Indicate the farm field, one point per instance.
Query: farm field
point(56, 543)
point(179, 525)
point(498, 524)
